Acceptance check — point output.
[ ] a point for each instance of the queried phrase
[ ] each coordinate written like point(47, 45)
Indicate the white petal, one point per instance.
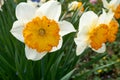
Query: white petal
point(105, 18)
point(25, 11)
point(105, 4)
point(114, 3)
point(59, 45)
point(51, 9)
point(87, 20)
point(110, 16)
point(32, 54)
point(66, 27)
point(102, 17)
point(17, 29)
point(101, 50)
point(81, 45)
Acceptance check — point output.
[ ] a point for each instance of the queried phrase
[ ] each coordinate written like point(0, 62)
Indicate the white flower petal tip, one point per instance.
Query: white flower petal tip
point(1, 4)
point(32, 54)
point(81, 46)
point(25, 11)
point(66, 27)
point(101, 50)
point(17, 29)
point(105, 3)
point(105, 18)
point(51, 9)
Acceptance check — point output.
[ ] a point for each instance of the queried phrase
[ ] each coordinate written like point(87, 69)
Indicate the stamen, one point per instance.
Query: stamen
point(41, 32)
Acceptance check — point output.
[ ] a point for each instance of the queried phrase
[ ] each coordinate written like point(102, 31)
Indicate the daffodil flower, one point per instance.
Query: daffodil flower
point(114, 6)
point(93, 31)
point(1, 3)
point(40, 29)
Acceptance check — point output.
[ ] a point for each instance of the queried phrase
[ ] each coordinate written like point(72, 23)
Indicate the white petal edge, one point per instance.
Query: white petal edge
point(114, 3)
point(59, 45)
point(105, 18)
point(105, 4)
point(102, 17)
point(66, 27)
point(109, 17)
point(81, 46)
point(25, 11)
point(87, 20)
point(17, 29)
point(101, 50)
point(51, 9)
point(32, 54)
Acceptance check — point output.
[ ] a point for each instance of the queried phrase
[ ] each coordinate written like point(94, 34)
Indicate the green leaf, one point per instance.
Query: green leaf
point(68, 75)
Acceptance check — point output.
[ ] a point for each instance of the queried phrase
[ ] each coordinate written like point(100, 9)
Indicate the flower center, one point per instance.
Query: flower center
point(41, 34)
point(117, 12)
point(98, 36)
point(112, 30)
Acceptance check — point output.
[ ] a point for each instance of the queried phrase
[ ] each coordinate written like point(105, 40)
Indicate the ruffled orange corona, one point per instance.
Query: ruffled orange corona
point(117, 12)
point(112, 30)
point(98, 36)
point(41, 34)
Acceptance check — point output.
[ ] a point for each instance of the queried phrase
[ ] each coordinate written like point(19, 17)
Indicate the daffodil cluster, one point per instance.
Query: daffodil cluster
point(41, 30)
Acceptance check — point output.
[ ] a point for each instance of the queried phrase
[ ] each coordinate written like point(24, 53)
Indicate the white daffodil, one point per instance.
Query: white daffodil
point(114, 6)
point(40, 29)
point(93, 31)
point(36, 3)
point(1, 3)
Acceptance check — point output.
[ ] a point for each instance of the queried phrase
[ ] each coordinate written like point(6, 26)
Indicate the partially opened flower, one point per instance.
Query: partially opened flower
point(113, 5)
point(1, 3)
point(75, 5)
point(36, 3)
point(40, 29)
point(92, 32)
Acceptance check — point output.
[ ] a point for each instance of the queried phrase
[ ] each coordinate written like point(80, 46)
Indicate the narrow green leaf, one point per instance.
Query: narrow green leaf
point(68, 75)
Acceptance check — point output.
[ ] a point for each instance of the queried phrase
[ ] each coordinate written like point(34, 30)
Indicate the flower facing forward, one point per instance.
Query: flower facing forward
point(40, 29)
point(93, 32)
point(113, 5)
